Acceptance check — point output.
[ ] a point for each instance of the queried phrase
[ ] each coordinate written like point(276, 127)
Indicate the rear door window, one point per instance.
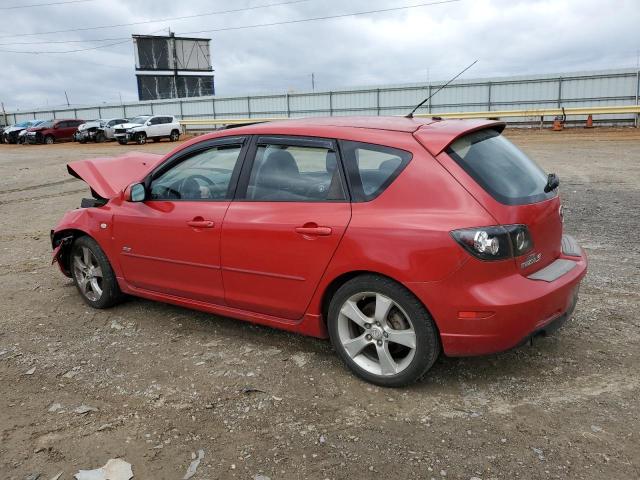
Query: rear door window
point(500, 168)
point(295, 172)
point(372, 168)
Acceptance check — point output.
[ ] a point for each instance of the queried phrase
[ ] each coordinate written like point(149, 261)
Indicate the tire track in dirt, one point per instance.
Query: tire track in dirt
point(35, 187)
point(30, 199)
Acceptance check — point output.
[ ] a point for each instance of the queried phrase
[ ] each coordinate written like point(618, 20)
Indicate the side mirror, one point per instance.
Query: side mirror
point(135, 193)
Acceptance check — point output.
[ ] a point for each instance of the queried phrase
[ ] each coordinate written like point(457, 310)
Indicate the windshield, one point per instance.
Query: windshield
point(506, 173)
point(140, 120)
point(22, 124)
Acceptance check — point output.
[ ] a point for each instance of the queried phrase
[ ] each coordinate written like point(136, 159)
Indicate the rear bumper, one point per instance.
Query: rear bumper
point(514, 307)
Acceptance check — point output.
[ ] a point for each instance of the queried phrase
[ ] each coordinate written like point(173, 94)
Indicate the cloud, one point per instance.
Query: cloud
point(509, 37)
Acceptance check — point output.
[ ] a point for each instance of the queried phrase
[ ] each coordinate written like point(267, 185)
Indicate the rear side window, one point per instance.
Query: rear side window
point(295, 173)
point(499, 167)
point(372, 168)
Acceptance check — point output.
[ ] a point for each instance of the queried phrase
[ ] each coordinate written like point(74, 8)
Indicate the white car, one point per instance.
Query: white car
point(99, 130)
point(148, 127)
point(22, 136)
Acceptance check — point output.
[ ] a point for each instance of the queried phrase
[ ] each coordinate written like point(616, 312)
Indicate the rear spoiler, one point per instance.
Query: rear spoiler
point(437, 136)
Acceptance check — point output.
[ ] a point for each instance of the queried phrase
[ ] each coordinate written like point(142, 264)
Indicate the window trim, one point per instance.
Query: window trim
point(293, 141)
point(190, 151)
point(353, 172)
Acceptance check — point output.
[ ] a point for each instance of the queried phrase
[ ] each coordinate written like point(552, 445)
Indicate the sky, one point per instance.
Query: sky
point(421, 44)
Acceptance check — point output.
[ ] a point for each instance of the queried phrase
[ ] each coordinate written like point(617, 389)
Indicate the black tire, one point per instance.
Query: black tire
point(82, 141)
point(175, 136)
point(110, 291)
point(427, 338)
point(121, 141)
point(49, 140)
point(99, 137)
point(141, 138)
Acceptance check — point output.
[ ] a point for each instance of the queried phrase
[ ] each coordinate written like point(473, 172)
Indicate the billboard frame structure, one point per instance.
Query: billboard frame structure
point(186, 59)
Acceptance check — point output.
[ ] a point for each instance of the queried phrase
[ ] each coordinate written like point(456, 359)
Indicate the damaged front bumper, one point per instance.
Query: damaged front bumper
point(61, 249)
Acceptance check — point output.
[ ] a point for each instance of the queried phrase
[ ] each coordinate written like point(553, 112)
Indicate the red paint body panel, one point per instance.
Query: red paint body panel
point(158, 251)
point(269, 267)
point(253, 264)
point(109, 176)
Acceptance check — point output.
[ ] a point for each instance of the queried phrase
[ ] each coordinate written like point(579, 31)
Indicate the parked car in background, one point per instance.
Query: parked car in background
point(98, 130)
point(53, 131)
point(398, 238)
point(22, 136)
point(11, 133)
point(147, 127)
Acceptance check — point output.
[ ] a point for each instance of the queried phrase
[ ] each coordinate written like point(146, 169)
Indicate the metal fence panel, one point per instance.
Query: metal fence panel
point(89, 113)
point(596, 88)
point(202, 108)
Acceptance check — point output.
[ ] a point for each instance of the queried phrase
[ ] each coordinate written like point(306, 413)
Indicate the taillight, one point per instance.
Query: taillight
point(495, 242)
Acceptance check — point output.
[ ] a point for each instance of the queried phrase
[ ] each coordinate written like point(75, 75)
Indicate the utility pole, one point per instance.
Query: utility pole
point(4, 113)
point(67, 97)
point(175, 63)
point(313, 82)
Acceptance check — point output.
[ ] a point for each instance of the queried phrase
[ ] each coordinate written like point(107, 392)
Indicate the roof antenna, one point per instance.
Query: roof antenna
point(410, 115)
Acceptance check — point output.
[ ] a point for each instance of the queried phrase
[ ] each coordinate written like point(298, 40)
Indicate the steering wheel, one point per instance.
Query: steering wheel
point(189, 182)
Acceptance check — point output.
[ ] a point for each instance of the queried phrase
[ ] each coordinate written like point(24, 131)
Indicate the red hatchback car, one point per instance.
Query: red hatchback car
point(397, 238)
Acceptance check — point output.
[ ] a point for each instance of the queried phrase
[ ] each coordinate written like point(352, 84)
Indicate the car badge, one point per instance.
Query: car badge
point(531, 259)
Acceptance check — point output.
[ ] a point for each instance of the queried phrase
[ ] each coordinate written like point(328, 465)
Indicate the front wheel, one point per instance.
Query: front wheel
point(141, 138)
point(382, 331)
point(175, 136)
point(122, 141)
point(99, 138)
point(93, 275)
point(49, 140)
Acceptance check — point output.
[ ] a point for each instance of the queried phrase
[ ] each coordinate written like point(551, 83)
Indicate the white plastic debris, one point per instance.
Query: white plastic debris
point(114, 469)
point(82, 409)
point(56, 477)
point(55, 407)
point(30, 371)
point(191, 471)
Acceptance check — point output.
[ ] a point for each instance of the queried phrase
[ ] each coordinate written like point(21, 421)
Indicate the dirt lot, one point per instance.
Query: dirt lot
point(167, 381)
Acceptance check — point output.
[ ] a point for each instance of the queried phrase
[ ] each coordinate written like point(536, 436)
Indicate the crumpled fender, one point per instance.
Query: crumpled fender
point(94, 222)
point(108, 176)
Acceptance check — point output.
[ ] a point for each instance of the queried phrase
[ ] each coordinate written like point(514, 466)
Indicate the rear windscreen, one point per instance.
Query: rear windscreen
point(506, 173)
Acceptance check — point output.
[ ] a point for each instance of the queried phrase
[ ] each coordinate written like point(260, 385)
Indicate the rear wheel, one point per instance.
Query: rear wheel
point(93, 275)
point(49, 140)
point(382, 331)
point(141, 138)
point(175, 136)
point(122, 141)
point(100, 137)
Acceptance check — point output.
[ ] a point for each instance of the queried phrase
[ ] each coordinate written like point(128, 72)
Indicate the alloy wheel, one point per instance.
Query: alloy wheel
point(88, 274)
point(376, 333)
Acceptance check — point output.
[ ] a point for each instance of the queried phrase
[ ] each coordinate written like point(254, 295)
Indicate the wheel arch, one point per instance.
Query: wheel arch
point(64, 239)
point(343, 278)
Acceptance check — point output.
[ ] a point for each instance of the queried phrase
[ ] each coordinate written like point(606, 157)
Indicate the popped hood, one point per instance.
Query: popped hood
point(108, 176)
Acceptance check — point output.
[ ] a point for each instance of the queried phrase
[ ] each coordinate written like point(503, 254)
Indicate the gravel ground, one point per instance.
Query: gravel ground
point(164, 382)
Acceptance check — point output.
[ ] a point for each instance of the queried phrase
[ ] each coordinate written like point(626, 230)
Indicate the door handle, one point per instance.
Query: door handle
point(314, 230)
point(201, 223)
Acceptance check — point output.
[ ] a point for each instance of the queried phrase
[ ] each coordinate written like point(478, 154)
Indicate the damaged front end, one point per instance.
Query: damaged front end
point(107, 179)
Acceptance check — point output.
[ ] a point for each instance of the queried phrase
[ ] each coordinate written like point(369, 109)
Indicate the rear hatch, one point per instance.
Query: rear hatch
point(512, 189)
